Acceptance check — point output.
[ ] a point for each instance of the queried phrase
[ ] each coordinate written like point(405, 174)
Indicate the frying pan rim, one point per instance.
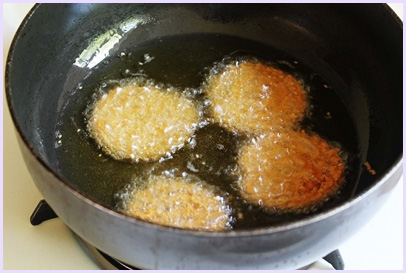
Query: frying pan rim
point(234, 233)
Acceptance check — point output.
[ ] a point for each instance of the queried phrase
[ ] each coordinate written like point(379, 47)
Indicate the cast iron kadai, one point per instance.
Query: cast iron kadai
point(356, 48)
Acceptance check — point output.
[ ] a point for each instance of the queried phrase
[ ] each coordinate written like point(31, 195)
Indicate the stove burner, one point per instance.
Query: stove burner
point(44, 212)
point(104, 260)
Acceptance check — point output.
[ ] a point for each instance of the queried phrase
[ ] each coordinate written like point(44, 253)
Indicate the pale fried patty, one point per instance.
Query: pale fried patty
point(142, 122)
point(251, 97)
point(289, 170)
point(173, 201)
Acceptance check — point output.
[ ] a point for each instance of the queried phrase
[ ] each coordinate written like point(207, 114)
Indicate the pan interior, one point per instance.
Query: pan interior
point(185, 66)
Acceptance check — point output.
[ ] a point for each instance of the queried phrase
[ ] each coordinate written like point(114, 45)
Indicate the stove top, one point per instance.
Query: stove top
point(51, 245)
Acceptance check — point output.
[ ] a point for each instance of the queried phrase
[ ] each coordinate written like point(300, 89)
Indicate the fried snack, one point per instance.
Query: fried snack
point(289, 170)
point(179, 203)
point(142, 122)
point(254, 98)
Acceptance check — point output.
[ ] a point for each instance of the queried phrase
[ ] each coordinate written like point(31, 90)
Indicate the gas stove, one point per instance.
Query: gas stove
point(52, 245)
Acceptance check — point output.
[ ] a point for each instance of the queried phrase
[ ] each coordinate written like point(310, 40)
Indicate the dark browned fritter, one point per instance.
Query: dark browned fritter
point(289, 170)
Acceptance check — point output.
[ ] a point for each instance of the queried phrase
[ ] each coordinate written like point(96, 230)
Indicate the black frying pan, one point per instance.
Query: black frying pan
point(355, 50)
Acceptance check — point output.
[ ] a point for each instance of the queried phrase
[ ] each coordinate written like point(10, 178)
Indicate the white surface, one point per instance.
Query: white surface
point(51, 245)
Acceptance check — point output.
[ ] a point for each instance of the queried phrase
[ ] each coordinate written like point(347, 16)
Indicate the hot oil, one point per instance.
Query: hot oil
point(184, 62)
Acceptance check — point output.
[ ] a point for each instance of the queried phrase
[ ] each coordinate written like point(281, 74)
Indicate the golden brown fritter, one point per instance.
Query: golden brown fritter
point(179, 203)
point(254, 98)
point(289, 170)
point(142, 122)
